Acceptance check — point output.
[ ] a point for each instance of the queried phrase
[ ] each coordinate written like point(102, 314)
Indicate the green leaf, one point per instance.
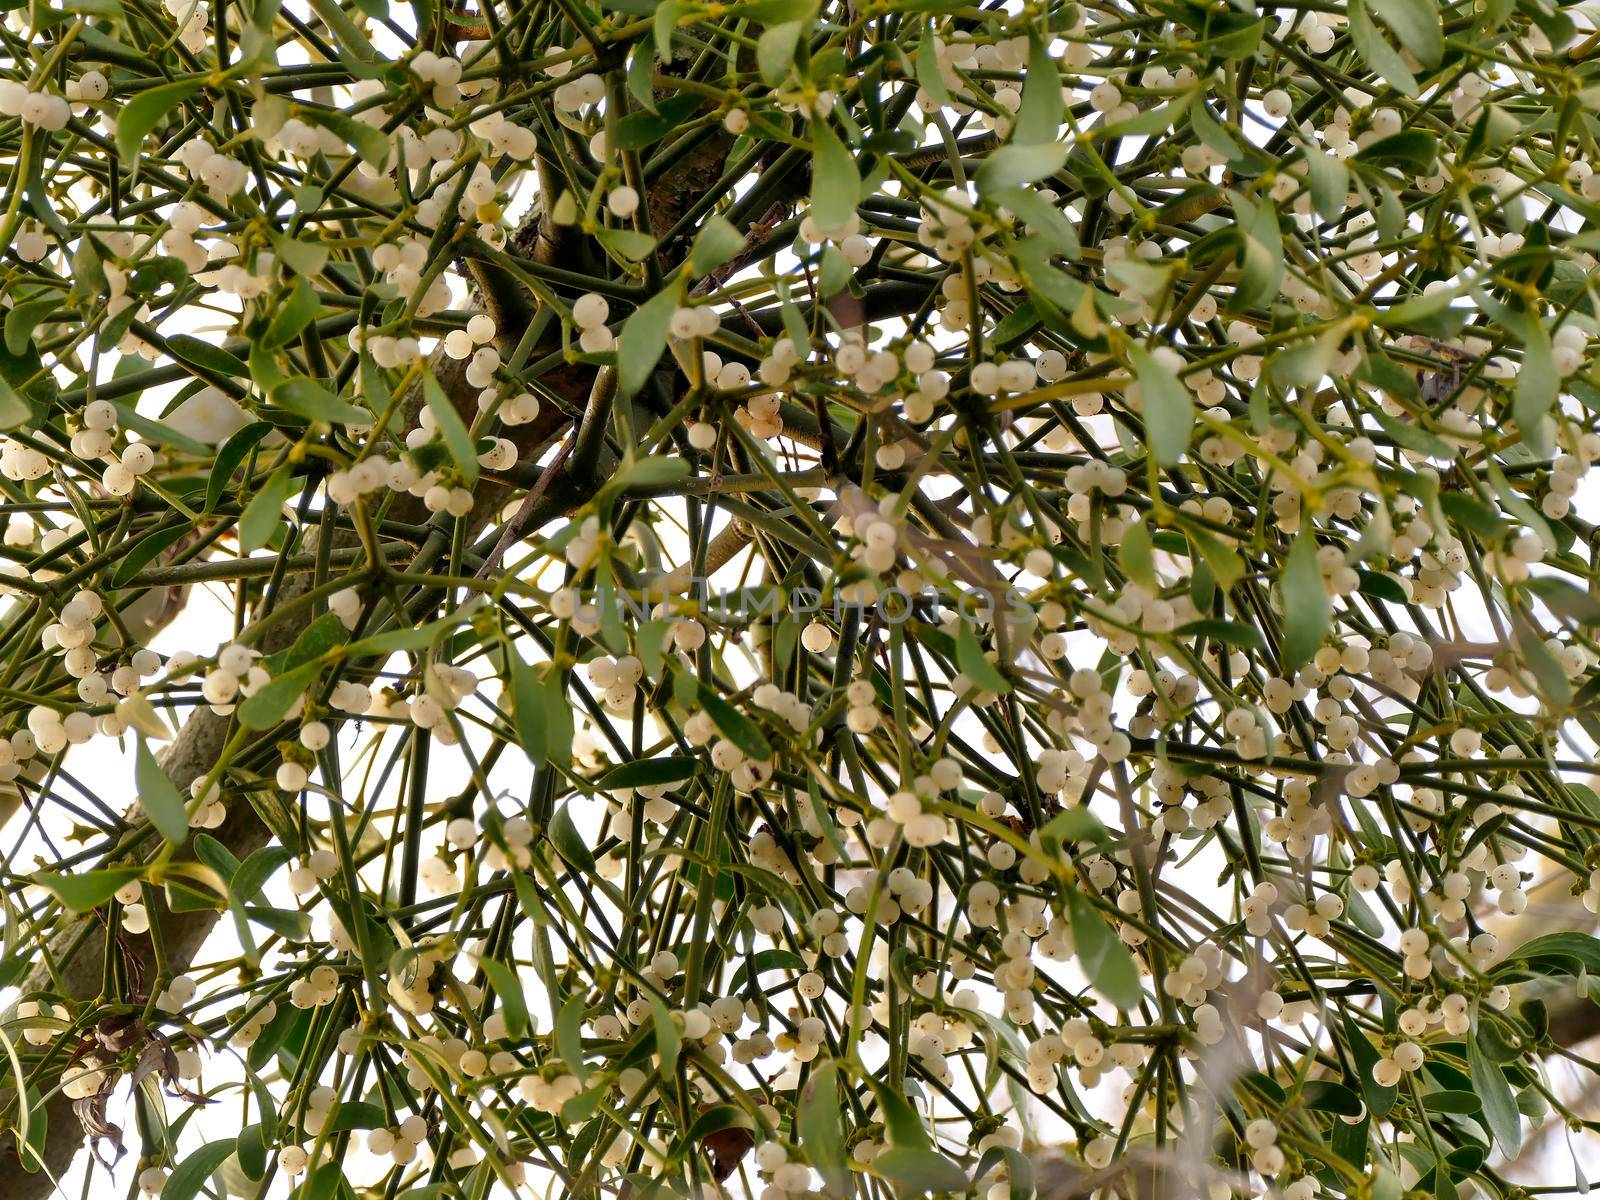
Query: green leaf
point(716, 244)
point(142, 113)
point(1536, 385)
point(916, 1170)
point(1211, 134)
point(193, 1172)
point(1151, 120)
point(644, 338)
point(288, 923)
point(1560, 951)
point(734, 725)
point(1237, 43)
point(297, 311)
point(1220, 558)
point(1447, 1101)
point(326, 1181)
point(641, 69)
point(1136, 555)
point(508, 989)
point(202, 355)
point(252, 1151)
point(1383, 587)
point(636, 130)
point(1413, 437)
point(904, 1125)
point(354, 1114)
point(1262, 250)
point(569, 843)
point(1017, 325)
point(1048, 223)
point(272, 702)
point(253, 873)
point(215, 855)
point(1307, 612)
point(14, 410)
point(1379, 55)
point(817, 1125)
point(650, 638)
point(1015, 164)
point(264, 513)
point(1384, 373)
point(773, 959)
point(392, 640)
point(583, 1106)
point(145, 551)
point(1414, 149)
point(373, 145)
point(1330, 182)
point(569, 1035)
point(929, 77)
point(1547, 670)
point(1038, 119)
point(1324, 1095)
point(159, 796)
point(775, 51)
point(158, 433)
point(183, 898)
point(1168, 407)
point(26, 317)
point(527, 707)
point(456, 437)
point(1380, 1100)
point(1499, 1104)
point(1074, 825)
point(1105, 959)
point(311, 399)
point(666, 24)
point(649, 772)
point(232, 453)
point(974, 664)
point(1416, 26)
point(87, 889)
point(668, 1036)
point(1514, 503)
point(835, 183)
point(303, 258)
point(629, 244)
point(653, 471)
point(319, 637)
point(1564, 599)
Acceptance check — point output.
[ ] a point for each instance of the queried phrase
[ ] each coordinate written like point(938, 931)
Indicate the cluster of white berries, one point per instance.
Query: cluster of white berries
point(221, 174)
point(317, 987)
point(692, 321)
point(402, 264)
point(42, 1020)
point(897, 380)
point(878, 531)
point(504, 136)
point(580, 92)
point(618, 679)
point(46, 110)
point(235, 673)
point(590, 312)
point(746, 773)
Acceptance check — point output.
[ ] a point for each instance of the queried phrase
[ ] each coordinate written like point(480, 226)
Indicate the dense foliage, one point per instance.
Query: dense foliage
point(796, 597)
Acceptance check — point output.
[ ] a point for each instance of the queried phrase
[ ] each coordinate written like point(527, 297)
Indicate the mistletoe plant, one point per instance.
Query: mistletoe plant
point(798, 598)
